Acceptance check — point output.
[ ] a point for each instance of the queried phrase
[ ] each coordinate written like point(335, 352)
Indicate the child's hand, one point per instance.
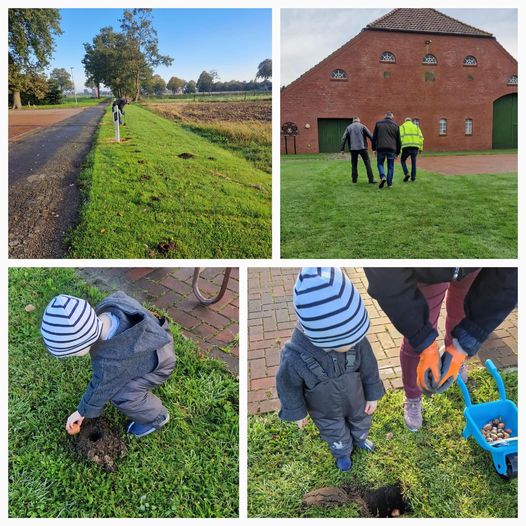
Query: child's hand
point(74, 422)
point(370, 407)
point(302, 423)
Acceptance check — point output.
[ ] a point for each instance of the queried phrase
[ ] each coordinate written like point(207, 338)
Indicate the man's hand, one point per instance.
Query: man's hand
point(428, 372)
point(370, 407)
point(302, 423)
point(452, 361)
point(74, 422)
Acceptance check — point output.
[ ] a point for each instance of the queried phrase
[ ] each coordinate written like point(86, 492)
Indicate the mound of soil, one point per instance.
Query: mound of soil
point(387, 501)
point(98, 442)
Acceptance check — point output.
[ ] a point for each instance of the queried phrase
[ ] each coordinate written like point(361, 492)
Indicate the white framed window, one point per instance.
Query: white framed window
point(417, 122)
point(429, 59)
point(387, 56)
point(338, 74)
point(513, 80)
point(468, 127)
point(442, 126)
point(470, 60)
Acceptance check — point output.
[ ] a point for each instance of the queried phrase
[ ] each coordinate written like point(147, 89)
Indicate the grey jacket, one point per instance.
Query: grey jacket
point(130, 353)
point(355, 135)
point(294, 376)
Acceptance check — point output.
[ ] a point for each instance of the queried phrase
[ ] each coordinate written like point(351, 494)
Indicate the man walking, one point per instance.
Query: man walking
point(356, 135)
point(412, 143)
point(387, 145)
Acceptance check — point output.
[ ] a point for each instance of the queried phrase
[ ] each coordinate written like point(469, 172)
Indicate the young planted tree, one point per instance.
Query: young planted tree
point(265, 69)
point(175, 84)
point(142, 46)
point(31, 34)
point(62, 79)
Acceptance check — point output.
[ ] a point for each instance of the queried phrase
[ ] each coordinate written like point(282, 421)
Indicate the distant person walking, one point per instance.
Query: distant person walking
point(387, 145)
point(412, 143)
point(356, 135)
point(120, 103)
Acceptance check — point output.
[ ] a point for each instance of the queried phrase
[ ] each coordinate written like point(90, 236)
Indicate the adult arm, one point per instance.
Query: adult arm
point(345, 139)
point(374, 140)
point(400, 298)
point(492, 296)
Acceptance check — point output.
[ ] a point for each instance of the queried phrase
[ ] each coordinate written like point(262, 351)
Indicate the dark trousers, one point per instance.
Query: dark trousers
point(381, 156)
point(354, 164)
point(406, 153)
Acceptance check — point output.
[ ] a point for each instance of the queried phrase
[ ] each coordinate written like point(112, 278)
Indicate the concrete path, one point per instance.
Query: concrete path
point(469, 164)
point(271, 319)
point(44, 196)
point(213, 328)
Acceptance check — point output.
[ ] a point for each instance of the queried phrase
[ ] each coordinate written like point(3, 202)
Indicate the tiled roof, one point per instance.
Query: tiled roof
point(424, 21)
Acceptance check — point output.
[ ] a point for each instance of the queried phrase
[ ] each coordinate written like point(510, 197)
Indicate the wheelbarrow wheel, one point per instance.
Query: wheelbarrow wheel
point(511, 467)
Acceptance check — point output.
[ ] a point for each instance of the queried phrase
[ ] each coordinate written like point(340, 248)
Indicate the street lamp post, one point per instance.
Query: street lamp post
point(72, 80)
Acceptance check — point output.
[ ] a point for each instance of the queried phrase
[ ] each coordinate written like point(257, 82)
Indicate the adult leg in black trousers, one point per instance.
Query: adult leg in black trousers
point(414, 155)
point(364, 154)
point(354, 165)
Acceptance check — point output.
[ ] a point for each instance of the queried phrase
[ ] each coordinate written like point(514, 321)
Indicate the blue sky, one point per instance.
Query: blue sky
point(231, 41)
point(309, 35)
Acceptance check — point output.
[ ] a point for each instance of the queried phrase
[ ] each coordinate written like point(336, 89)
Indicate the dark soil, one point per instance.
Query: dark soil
point(384, 502)
point(98, 442)
point(165, 246)
point(186, 155)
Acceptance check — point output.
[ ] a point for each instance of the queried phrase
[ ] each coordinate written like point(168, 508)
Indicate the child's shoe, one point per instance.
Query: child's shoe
point(141, 430)
point(366, 444)
point(344, 463)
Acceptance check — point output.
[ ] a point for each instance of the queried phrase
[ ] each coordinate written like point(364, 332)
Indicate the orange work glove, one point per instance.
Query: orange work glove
point(428, 369)
point(452, 361)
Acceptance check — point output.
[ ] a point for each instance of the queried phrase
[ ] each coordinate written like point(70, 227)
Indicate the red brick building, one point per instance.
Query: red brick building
point(456, 80)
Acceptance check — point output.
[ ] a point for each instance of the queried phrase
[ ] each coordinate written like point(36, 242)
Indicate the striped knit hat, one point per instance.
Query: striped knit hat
point(329, 308)
point(69, 325)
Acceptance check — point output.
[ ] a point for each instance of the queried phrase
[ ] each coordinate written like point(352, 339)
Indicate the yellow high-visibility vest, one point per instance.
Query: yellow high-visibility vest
point(411, 136)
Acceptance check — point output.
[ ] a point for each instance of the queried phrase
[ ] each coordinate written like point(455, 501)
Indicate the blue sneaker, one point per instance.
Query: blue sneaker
point(366, 444)
point(141, 430)
point(344, 463)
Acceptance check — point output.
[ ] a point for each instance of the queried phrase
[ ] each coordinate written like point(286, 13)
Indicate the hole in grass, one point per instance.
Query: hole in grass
point(95, 436)
point(386, 501)
point(186, 155)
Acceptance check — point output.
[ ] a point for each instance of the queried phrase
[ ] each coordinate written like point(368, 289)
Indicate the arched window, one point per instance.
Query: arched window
point(468, 127)
point(470, 60)
point(429, 59)
point(387, 56)
point(513, 80)
point(338, 74)
point(442, 127)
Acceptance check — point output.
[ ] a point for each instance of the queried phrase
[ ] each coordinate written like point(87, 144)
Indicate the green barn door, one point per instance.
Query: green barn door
point(505, 122)
point(330, 132)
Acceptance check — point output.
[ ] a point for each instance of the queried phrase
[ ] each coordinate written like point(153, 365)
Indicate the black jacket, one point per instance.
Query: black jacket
point(120, 103)
point(492, 296)
point(386, 137)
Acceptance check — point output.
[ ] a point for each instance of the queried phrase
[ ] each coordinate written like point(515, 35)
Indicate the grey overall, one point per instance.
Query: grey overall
point(337, 405)
point(126, 367)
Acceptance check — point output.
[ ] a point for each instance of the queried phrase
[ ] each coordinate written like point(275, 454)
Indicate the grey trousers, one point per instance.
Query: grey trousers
point(337, 408)
point(136, 400)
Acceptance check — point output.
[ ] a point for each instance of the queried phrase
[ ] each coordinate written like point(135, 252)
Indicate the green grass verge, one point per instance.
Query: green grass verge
point(324, 215)
point(187, 469)
point(212, 97)
point(140, 193)
point(69, 103)
point(441, 474)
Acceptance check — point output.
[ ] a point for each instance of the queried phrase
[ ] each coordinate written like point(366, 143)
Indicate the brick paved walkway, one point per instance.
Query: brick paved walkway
point(271, 319)
point(213, 328)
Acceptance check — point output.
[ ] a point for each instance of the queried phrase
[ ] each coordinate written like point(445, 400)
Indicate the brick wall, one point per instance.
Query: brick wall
point(373, 88)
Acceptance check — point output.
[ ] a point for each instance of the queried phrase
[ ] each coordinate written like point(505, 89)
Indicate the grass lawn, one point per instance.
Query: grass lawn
point(144, 201)
point(187, 469)
point(324, 215)
point(441, 474)
point(68, 102)
point(212, 97)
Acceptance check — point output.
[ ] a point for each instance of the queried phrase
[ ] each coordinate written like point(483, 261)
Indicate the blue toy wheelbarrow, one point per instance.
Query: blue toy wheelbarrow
point(503, 451)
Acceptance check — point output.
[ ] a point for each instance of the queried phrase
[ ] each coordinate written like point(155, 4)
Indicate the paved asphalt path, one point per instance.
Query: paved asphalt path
point(44, 195)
